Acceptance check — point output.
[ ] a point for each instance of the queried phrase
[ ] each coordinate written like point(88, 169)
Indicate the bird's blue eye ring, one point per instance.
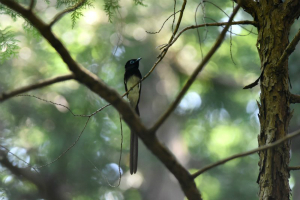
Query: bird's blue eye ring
point(131, 62)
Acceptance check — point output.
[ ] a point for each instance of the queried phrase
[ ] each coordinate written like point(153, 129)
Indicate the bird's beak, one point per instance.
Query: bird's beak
point(137, 60)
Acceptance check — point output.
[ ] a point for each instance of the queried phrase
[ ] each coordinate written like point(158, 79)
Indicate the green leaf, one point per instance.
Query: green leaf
point(8, 44)
point(110, 7)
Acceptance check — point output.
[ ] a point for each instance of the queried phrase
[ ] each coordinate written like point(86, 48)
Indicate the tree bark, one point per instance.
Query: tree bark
point(274, 110)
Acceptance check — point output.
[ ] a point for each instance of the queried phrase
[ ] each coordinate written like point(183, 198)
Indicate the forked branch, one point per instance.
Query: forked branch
point(195, 73)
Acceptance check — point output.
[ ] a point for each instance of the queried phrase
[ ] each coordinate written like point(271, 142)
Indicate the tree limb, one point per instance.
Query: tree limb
point(294, 98)
point(289, 49)
point(268, 146)
point(294, 168)
point(48, 188)
point(6, 95)
point(291, 9)
point(90, 80)
point(195, 73)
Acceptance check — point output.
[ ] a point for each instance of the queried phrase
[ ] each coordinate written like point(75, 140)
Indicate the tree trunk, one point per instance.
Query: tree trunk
point(274, 110)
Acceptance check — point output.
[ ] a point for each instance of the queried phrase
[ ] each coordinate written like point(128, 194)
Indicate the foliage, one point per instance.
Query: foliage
point(110, 7)
point(78, 6)
point(8, 44)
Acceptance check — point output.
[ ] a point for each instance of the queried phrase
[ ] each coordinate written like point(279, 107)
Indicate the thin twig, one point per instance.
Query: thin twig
point(196, 72)
point(226, 14)
point(237, 34)
point(149, 32)
point(174, 17)
point(4, 96)
point(31, 6)
point(8, 151)
point(208, 24)
point(69, 148)
point(58, 16)
point(199, 37)
point(287, 52)
point(268, 146)
point(230, 39)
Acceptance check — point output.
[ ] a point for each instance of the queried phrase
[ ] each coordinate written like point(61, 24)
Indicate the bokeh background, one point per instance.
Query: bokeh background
point(215, 119)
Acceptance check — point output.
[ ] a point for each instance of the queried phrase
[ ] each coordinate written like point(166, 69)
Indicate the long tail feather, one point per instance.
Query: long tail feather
point(134, 149)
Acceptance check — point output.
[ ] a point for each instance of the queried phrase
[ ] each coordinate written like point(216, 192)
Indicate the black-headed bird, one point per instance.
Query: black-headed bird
point(131, 77)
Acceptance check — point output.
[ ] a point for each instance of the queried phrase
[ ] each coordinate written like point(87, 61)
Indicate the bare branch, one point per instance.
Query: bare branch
point(69, 148)
point(289, 49)
point(196, 72)
point(268, 146)
point(218, 7)
point(164, 23)
point(6, 95)
point(48, 188)
point(294, 168)
point(58, 16)
point(294, 98)
point(251, 85)
point(246, 22)
point(287, 52)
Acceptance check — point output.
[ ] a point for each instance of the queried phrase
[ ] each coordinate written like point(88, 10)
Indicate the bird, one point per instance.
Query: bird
point(131, 77)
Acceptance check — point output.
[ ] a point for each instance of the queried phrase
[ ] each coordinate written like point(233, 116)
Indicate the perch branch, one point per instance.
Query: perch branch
point(246, 22)
point(91, 81)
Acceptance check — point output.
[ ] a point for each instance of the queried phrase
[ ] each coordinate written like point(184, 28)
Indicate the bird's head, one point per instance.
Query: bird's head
point(132, 64)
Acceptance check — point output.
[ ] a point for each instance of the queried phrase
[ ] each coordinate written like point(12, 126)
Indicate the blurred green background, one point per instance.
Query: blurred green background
point(215, 119)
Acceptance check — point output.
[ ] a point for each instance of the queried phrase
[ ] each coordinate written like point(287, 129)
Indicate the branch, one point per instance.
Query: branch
point(268, 146)
point(90, 80)
point(48, 188)
point(196, 72)
point(32, 3)
point(58, 16)
point(294, 98)
point(289, 49)
point(294, 168)
point(287, 52)
point(291, 9)
point(249, 6)
point(151, 32)
point(246, 22)
point(4, 96)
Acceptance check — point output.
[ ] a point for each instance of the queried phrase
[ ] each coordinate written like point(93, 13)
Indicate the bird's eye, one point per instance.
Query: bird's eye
point(131, 62)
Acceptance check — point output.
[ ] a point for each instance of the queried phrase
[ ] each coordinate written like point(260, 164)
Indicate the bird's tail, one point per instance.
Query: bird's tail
point(134, 148)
